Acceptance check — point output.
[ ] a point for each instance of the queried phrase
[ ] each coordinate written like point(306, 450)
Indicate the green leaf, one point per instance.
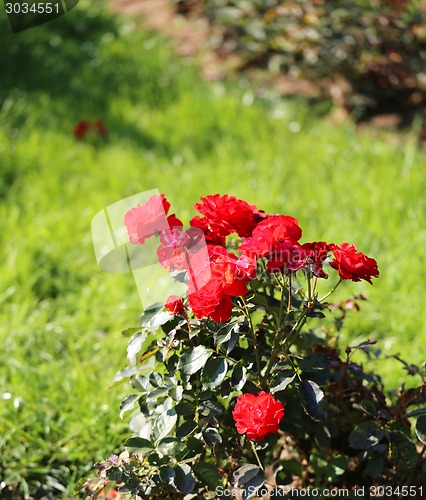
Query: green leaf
point(128, 404)
point(124, 374)
point(365, 436)
point(375, 467)
point(128, 332)
point(167, 474)
point(207, 474)
point(184, 408)
point(156, 394)
point(214, 372)
point(211, 437)
point(184, 480)
point(252, 487)
point(164, 424)
point(152, 319)
point(403, 451)
point(281, 381)
point(415, 413)
point(194, 359)
point(186, 429)
point(169, 446)
point(239, 377)
point(135, 345)
point(140, 383)
point(176, 393)
point(311, 397)
point(156, 379)
point(244, 474)
point(138, 446)
point(421, 429)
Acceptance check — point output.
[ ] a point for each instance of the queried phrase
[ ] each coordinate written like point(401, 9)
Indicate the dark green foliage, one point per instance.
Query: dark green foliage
point(370, 56)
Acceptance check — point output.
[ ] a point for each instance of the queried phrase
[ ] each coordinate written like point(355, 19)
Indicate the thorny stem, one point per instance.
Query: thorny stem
point(253, 335)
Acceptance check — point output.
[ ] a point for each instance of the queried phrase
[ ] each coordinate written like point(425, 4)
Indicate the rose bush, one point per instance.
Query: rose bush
point(242, 383)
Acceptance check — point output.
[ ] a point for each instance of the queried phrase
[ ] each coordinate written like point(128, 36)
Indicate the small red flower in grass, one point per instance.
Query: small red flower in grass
point(258, 416)
point(100, 128)
point(353, 265)
point(81, 128)
point(174, 304)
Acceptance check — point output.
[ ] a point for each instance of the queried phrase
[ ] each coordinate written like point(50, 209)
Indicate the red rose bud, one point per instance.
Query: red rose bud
point(174, 304)
point(258, 416)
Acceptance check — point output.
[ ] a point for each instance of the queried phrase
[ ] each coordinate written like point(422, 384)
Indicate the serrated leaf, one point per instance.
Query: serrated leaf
point(164, 424)
point(128, 404)
point(421, 429)
point(138, 446)
point(207, 474)
point(135, 345)
point(365, 436)
point(244, 474)
point(194, 359)
point(311, 397)
point(214, 372)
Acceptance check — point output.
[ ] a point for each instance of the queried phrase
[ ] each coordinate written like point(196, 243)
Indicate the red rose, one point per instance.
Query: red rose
point(268, 233)
point(315, 254)
point(174, 304)
point(81, 129)
point(285, 257)
point(172, 252)
point(226, 214)
point(228, 279)
point(145, 220)
point(210, 236)
point(258, 416)
point(353, 265)
point(210, 301)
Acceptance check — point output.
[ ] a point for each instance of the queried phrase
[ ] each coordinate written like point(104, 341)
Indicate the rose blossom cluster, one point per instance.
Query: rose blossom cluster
point(215, 275)
point(271, 241)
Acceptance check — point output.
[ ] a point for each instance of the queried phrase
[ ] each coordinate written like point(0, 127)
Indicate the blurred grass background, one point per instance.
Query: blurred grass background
point(60, 316)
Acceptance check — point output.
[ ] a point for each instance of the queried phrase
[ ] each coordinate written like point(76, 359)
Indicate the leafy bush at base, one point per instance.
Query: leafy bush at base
point(241, 385)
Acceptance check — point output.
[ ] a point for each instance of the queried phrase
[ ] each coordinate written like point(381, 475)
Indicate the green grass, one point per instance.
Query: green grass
point(60, 316)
